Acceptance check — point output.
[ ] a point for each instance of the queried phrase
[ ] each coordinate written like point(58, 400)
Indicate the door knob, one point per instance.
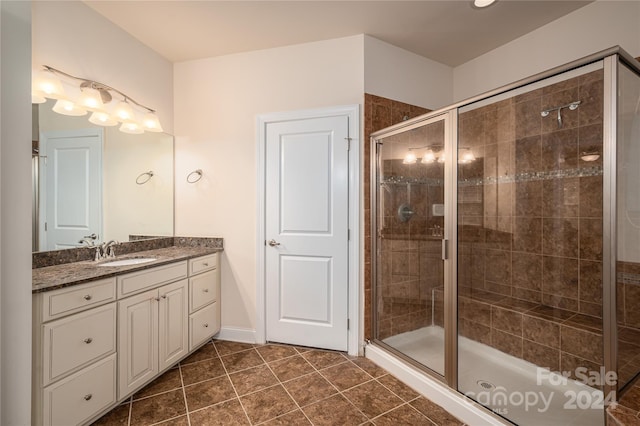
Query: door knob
point(273, 243)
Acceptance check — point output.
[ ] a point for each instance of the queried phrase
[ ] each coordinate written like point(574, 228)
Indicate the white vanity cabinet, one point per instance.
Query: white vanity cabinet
point(97, 343)
point(152, 334)
point(204, 299)
point(74, 353)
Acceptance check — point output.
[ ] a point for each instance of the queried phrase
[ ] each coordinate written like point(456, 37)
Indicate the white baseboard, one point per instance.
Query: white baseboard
point(458, 405)
point(235, 334)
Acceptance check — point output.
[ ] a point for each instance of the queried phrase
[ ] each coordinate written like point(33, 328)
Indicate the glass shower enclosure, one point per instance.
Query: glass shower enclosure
point(506, 249)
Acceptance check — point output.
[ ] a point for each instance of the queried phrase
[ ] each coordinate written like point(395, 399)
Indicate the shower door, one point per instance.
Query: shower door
point(411, 241)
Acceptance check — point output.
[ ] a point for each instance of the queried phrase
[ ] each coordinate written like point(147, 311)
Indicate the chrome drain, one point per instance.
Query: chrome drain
point(486, 385)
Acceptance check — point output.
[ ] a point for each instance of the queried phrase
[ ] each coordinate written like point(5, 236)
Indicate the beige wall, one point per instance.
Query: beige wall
point(217, 102)
point(15, 222)
point(72, 37)
point(592, 28)
point(398, 74)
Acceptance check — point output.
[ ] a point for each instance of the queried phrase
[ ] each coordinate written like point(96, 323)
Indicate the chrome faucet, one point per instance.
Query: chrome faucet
point(106, 250)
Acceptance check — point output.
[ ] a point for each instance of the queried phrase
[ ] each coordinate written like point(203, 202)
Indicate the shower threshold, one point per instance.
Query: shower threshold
point(512, 387)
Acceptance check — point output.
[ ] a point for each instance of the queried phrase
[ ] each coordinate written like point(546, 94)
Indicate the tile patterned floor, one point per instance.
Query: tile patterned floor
point(229, 383)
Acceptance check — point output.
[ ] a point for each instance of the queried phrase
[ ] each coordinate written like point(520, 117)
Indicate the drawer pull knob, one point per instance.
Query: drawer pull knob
point(206, 326)
point(205, 264)
point(206, 290)
point(88, 340)
point(87, 297)
point(157, 299)
point(87, 397)
point(164, 296)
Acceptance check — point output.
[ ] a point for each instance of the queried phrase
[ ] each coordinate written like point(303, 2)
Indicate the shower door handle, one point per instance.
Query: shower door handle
point(445, 249)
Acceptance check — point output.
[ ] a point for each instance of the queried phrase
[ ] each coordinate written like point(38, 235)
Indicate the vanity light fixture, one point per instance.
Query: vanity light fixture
point(95, 97)
point(483, 3)
point(435, 153)
point(589, 156)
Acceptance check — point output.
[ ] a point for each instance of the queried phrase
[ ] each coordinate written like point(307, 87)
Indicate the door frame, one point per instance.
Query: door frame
point(355, 259)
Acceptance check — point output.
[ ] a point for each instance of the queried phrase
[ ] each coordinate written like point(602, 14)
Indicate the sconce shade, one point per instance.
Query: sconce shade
point(429, 157)
point(131, 127)
point(410, 158)
point(37, 97)
point(151, 123)
point(123, 111)
point(65, 107)
point(102, 119)
point(90, 99)
point(466, 156)
point(47, 83)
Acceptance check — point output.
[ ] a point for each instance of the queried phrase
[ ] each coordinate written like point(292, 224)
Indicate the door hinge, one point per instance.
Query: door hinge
point(348, 234)
point(45, 226)
point(348, 323)
point(348, 143)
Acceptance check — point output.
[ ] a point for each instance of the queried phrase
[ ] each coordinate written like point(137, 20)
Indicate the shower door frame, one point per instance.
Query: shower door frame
point(611, 58)
point(450, 238)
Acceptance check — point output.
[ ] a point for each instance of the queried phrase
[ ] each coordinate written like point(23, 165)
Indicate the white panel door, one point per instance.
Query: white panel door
point(71, 187)
point(173, 327)
point(306, 261)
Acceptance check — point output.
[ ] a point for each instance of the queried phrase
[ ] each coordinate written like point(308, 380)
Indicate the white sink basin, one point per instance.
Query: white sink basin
point(128, 262)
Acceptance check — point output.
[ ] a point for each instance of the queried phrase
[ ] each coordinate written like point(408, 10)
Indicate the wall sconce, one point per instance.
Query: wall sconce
point(589, 156)
point(95, 98)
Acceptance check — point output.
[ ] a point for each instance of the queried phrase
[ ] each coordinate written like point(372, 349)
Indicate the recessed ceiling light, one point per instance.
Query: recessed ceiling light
point(483, 3)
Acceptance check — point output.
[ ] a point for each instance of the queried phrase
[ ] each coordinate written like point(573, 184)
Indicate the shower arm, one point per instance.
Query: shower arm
point(572, 106)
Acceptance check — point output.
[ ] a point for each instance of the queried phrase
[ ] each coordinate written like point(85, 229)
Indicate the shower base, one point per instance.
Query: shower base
point(503, 382)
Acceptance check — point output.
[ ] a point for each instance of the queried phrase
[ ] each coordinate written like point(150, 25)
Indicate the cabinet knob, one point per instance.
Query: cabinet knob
point(206, 326)
point(205, 290)
point(205, 264)
point(157, 299)
point(87, 297)
point(88, 340)
point(164, 296)
point(87, 397)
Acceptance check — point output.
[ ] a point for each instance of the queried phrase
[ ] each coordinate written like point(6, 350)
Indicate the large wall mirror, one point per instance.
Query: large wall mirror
point(96, 183)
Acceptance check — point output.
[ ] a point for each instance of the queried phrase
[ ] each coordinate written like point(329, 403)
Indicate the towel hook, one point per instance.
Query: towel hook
point(140, 180)
point(198, 175)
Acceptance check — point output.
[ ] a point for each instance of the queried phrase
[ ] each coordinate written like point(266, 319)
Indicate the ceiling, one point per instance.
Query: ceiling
point(451, 32)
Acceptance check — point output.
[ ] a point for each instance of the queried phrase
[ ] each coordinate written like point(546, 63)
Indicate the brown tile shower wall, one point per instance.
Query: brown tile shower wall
point(379, 113)
point(530, 225)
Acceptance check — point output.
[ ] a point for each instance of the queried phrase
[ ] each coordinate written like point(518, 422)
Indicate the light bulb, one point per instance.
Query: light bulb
point(123, 111)
point(429, 157)
point(91, 99)
point(46, 82)
point(102, 119)
point(483, 3)
point(65, 107)
point(37, 97)
point(410, 158)
point(466, 157)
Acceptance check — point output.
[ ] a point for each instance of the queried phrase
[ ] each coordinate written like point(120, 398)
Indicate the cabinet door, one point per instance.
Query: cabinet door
point(173, 328)
point(138, 341)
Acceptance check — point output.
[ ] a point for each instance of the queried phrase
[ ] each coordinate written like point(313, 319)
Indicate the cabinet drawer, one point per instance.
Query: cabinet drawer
point(65, 301)
point(203, 289)
point(137, 281)
point(79, 397)
point(204, 324)
point(73, 342)
point(202, 264)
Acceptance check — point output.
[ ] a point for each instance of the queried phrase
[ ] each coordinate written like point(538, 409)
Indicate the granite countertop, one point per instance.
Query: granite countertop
point(68, 274)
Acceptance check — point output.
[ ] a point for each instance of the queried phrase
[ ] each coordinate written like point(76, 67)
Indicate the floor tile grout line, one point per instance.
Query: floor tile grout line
point(341, 392)
point(130, 410)
point(284, 387)
point(401, 405)
point(232, 385)
point(184, 395)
